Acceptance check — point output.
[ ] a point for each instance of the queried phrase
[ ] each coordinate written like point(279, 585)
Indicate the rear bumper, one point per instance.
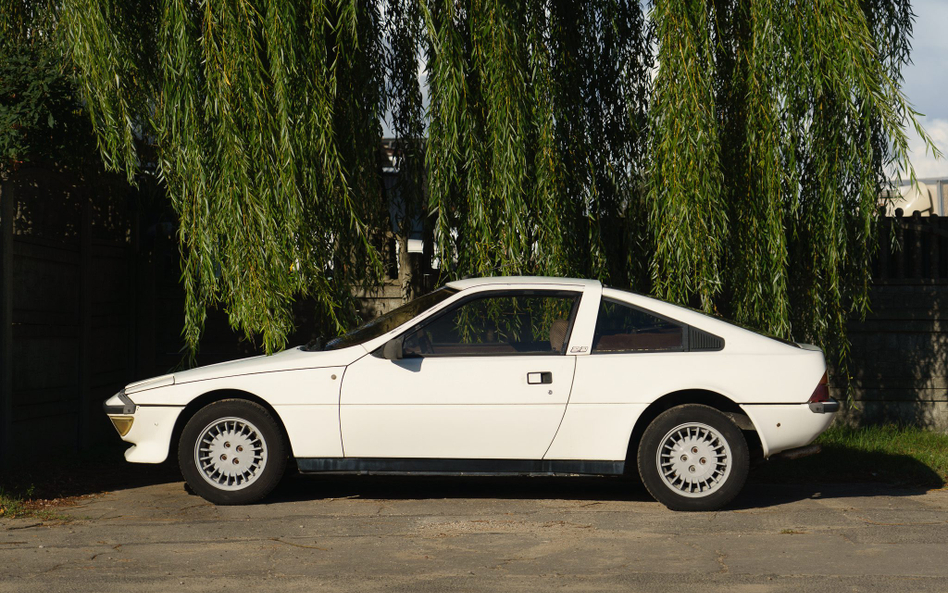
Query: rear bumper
point(830, 407)
point(788, 426)
point(798, 452)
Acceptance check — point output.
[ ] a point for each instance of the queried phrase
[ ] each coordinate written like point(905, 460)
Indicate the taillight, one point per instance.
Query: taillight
point(821, 393)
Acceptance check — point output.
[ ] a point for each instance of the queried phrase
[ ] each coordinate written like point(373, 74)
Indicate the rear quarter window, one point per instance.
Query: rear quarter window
point(623, 328)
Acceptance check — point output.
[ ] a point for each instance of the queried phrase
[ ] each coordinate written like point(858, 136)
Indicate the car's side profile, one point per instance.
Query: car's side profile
point(513, 375)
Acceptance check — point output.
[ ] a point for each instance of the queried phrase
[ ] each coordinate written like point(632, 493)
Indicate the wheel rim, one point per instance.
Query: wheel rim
point(230, 453)
point(694, 460)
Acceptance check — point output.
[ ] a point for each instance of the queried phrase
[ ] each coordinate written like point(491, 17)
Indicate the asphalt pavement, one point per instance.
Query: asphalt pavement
point(479, 534)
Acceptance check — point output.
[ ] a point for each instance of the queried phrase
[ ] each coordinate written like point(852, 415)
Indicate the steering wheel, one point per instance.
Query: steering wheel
point(418, 343)
point(424, 342)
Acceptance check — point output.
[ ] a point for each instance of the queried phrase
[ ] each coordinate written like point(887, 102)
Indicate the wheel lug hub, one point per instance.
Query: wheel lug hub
point(220, 454)
point(694, 460)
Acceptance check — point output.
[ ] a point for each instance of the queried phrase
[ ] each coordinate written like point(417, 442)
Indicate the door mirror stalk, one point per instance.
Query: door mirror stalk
point(392, 350)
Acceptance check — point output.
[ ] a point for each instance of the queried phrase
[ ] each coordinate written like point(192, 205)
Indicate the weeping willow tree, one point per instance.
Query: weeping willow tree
point(726, 154)
point(266, 122)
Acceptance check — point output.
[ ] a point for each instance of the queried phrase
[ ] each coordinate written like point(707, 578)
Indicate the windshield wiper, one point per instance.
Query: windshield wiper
point(314, 345)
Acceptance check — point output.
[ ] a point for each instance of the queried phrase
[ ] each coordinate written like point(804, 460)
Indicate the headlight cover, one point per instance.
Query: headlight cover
point(119, 404)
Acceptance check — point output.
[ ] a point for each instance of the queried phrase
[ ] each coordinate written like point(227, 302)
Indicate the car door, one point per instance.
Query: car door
point(636, 356)
point(489, 378)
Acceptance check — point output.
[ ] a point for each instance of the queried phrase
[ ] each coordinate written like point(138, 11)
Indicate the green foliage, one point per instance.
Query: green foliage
point(266, 120)
point(725, 154)
point(41, 118)
point(686, 196)
point(536, 133)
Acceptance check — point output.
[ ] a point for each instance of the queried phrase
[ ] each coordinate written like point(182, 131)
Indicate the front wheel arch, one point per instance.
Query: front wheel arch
point(232, 451)
point(217, 395)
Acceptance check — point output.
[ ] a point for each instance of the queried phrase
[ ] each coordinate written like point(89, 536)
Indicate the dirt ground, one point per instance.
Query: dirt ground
point(482, 534)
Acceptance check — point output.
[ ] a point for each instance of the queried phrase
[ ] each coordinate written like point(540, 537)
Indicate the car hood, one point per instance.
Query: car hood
point(287, 360)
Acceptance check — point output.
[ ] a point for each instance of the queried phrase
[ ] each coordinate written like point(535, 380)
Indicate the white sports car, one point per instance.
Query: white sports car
point(515, 375)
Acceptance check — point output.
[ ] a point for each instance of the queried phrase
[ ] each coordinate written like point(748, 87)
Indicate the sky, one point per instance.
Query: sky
point(926, 84)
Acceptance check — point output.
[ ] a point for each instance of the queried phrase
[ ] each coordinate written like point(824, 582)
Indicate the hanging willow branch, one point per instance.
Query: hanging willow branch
point(265, 116)
point(726, 154)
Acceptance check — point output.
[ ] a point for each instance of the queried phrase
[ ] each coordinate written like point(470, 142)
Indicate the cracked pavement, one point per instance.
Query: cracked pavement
point(484, 534)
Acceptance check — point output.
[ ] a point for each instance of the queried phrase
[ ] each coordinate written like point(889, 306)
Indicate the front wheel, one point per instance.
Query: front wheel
point(693, 458)
point(232, 452)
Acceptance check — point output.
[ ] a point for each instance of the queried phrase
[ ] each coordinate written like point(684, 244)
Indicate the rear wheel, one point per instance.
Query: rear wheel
point(232, 452)
point(693, 458)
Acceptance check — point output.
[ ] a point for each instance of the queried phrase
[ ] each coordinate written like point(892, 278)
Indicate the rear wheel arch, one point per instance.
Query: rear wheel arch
point(693, 457)
point(692, 396)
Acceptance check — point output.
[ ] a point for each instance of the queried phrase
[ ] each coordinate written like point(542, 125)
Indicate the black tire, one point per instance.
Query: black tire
point(705, 482)
point(244, 436)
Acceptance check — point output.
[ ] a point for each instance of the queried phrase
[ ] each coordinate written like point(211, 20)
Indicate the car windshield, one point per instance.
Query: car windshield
point(391, 320)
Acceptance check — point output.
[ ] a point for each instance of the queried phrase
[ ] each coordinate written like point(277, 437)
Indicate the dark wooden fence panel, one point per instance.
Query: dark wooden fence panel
point(912, 248)
point(68, 290)
point(899, 355)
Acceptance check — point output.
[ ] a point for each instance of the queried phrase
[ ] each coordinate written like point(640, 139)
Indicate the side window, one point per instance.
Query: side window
point(621, 328)
point(498, 324)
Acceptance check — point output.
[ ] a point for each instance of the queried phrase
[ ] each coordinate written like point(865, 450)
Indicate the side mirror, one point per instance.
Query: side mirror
point(392, 350)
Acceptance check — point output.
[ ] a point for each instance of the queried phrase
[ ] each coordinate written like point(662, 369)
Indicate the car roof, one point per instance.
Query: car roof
point(522, 280)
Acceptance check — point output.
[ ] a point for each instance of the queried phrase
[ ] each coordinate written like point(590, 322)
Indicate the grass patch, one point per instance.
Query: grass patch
point(900, 455)
point(13, 505)
point(18, 505)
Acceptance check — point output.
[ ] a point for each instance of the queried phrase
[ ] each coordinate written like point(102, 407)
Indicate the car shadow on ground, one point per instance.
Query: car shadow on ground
point(834, 474)
point(761, 496)
point(381, 487)
point(101, 469)
point(837, 473)
point(754, 495)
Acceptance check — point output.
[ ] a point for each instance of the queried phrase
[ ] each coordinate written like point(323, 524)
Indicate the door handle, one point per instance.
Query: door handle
point(540, 378)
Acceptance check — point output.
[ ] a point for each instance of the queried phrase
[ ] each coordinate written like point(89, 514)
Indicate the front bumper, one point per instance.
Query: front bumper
point(119, 404)
point(121, 411)
point(147, 428)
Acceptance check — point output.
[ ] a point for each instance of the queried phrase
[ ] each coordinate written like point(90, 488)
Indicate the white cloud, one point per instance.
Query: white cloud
point(925, 164)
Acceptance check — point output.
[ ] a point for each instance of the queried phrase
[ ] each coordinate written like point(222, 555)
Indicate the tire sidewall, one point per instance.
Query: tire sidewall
point(269, 430)
point(652, 439)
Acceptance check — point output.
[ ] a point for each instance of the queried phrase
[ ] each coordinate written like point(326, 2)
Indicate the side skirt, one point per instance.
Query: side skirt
point(459, 467)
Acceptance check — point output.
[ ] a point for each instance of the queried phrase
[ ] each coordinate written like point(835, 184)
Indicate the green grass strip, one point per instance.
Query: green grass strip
point(899, 455)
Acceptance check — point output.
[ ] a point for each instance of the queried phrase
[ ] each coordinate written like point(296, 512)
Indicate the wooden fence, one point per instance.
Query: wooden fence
point(65, 311)
point(912, 248)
